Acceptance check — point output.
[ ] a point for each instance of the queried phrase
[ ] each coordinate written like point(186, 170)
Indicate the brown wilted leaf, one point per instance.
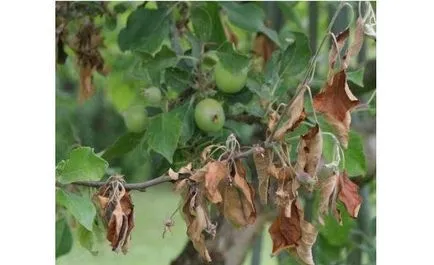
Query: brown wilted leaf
point(295, 115)
point(263, 47)
point(308, 238)
point(286, 231)
point(328, 196)
point(336, 102)
point(340, 43)
point(357, 44)
point(197, 220)
point(116, 208)
point(238, 199)
point(349, 195)
point(262, 162)
point(309, 152)
point(184, 170)
point(273, 117)
point(287, 187)
point(216, 171)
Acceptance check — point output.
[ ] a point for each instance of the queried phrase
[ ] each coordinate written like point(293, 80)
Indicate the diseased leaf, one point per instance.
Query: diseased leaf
point(357, 43)
point(238, 199)
point(63, 238)
point(349, 195)
point(116, 209)
point(335, 102)
point(309, 152)
point(287, 187)
point(308, 237)
point(163, 134)
point(216, 172)
point(262, 162)
point(285, 231)
point(295, 116)
point(328, 196)
point(341, 39)
point(81, 208)
point(83, 164)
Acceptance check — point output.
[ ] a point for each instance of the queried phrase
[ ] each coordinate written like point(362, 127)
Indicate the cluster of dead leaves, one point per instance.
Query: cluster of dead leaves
point(117, 211)
point(222, 183)
point(86, 44)
point(335, 100)
point(339, 186)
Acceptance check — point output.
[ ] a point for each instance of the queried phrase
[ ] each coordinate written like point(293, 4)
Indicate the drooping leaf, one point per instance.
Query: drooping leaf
point(80, 207)
point(357, 43)
point(328, 199)
point(309, 152)
point(336, 102)
point(163, 134)
point(286, 231)
point(336, 48)
point(83, 164)
point(249, 17)
point(216, 172)
point(238, 199)
point(63, 238)
point(262, 162)
point(122, 145)
point(117, 211)
point(145, 30)
point(295, 115)
point(287, 186)
point(309, 234)
point(349, 195)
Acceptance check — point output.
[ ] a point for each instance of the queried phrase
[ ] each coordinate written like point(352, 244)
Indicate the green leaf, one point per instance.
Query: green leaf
point(202, 23)
point(163, 134)
point(355, 161)
point(122, 145)
point(356, 76)
point(231, 60)
point(295, 57)
point(176, 79)
point(186, 114)
point(87, 239)
point(249, 17)
point(145, 31)
point(217, 31)
point(336, 234)
point(110, 22)
point(63, 238)
point(257, 84)
point(80, 207)
point(83, 164)
point(243, 132)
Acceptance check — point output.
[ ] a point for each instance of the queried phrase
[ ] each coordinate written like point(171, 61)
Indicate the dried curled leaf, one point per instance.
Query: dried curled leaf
point(85, 45)
point(295, 115)
point(309, 234)
point(184, 170)
point(196, 217)
point(263, 47)
point(337, 47)
point(215, 172)
point(328, 196)
point(286, 231)
point(287, 187)
point(349, 195)
point(357, 43)
point(262, 162)
point(309, 152)
point(238, 199)
point(116, 208)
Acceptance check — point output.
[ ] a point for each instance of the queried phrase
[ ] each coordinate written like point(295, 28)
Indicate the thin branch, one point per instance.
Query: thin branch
point(141, 186)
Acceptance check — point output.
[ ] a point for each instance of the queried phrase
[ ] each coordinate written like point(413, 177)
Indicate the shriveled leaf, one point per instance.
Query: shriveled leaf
point(117, 211)
point(216, 172)
point(309, 152)
point(238, 200)
point(80, 207)
point(308, 237)
point(337, 47)
point(349, 195)
point(295, 116)
point(285, 231)
point(357, 43)
point(328, 196)
point(83, 164)
point(335, 102)
point(63, 238)
point(197, 220)
point(287, 187)
point(262, 161)
point(86, 86)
